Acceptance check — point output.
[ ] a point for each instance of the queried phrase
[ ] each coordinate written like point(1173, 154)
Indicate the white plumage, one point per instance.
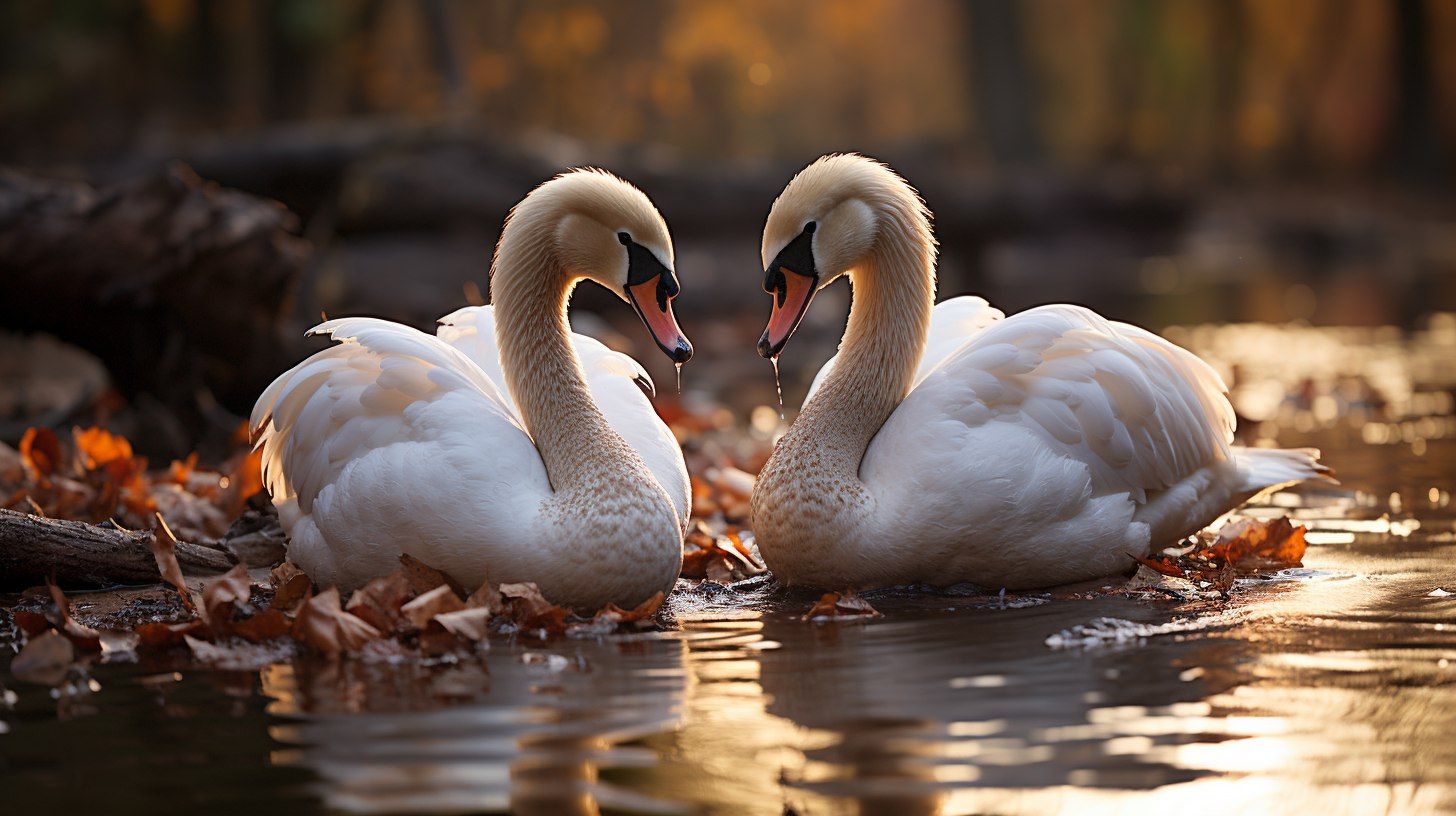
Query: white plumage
point(396, 441)
point(505, 447)
point(953, 443)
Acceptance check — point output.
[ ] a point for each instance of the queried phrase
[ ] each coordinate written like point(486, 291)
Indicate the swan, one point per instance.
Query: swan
point(954, 444)
point(504, 445)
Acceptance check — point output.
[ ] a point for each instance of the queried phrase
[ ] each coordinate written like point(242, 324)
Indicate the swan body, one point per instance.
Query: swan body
point(504, 447)
point(956, 444)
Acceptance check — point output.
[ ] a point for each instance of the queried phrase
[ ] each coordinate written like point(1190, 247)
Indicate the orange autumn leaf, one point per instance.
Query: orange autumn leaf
point(1276, 542)
point(840, 606)
point(1163, 565)
point(245, 480)
point(40, 452)
point(98, 447)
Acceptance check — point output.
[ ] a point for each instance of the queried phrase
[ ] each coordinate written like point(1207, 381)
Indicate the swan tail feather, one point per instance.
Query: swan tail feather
point(1262, 470)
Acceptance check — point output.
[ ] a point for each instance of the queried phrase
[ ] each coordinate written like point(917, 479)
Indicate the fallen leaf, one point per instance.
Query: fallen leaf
point(617, 615)
point(291, 586)
point(422, 577)
point(244, 480)
point(840, 606)
point(83, 636)
point(266, 625)
point(487, 597)
point(164, 549)
point(524, 605)
point(1164, 565)
point(438, 601)
point(40, 450)
point(45, 660)
point(1274, 542)
point(378, 602)
point(31, 623)
point(168, 635)
point(224, 597)
point(324, 625)
point(472, 623)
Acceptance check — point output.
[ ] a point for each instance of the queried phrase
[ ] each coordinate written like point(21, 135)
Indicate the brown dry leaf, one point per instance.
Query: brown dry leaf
point(1270, 542)
point(164, 549)
point(377, 602)
point(45, 660)
point(167, 635)
point(40, 450)
point(291, 586)
point(324, 625)
point(642, 612)
point(266, 625)
point(487, 597)
point(83, 636)
point(422, 577)
point(223, 597)
point(524, 605)
point(840, 606)
point(31, 623)
point(471, 623)
point(438, 601)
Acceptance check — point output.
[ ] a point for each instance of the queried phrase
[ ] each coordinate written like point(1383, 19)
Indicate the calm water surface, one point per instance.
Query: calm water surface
point(1330, 689)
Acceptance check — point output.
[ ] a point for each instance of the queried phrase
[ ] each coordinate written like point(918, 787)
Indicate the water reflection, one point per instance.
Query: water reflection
point(530, 731)
point(1330, 689)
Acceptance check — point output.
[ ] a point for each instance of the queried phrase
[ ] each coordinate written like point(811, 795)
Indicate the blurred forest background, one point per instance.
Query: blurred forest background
point(1167, 163)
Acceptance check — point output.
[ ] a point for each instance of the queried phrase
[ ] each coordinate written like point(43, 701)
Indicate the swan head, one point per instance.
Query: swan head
point(823, 225)
point(605, 230)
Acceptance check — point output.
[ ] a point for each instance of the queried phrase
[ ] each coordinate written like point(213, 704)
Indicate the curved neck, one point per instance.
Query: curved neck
point(530, 291)
point(894, 291)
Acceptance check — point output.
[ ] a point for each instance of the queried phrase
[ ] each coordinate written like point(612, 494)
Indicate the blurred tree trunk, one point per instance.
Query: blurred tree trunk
point(178, 285)
point(1002, 80)
point(1415, 146)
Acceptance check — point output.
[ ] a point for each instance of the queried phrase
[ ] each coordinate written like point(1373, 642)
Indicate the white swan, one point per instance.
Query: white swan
point(506, 446)
point(955, 444)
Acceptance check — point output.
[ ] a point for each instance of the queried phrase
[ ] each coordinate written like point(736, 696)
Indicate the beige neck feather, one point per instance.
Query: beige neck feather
point(530, 291)
point(894, 290)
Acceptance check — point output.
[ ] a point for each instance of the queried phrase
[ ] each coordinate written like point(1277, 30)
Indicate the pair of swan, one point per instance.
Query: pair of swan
point(942, 444)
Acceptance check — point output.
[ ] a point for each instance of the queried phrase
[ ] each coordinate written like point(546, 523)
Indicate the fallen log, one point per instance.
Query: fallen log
point(177, 284)
point(76, 554)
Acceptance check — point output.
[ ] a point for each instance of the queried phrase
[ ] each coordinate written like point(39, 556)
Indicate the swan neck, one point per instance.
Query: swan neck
point(530, 291)
point(884, 340)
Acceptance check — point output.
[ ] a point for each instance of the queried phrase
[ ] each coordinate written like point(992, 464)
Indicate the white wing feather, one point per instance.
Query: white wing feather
point(612, 378)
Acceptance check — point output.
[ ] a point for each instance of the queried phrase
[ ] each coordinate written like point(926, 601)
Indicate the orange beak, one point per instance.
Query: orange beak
point(792, 296)
point(654, 306)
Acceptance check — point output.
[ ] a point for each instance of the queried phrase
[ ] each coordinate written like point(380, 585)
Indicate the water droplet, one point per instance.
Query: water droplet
point(778, 387)
point(678, 366)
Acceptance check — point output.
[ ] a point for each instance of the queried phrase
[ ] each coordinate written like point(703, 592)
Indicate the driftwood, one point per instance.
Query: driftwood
point(175, 283)
point(77, 554)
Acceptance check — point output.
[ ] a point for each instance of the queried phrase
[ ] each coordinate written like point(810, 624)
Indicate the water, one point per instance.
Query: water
point(778, 385)
point(678, 366)
point(1328, 689)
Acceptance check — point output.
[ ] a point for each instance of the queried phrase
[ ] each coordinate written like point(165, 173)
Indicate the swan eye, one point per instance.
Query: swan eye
point(624, 238)
point(810, 227)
